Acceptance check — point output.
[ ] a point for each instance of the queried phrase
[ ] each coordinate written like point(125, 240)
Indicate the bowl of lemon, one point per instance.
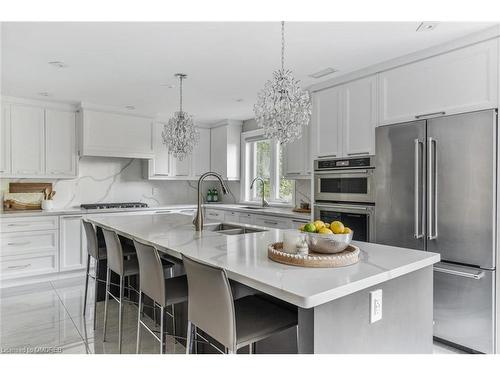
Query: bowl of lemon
point(328, 238)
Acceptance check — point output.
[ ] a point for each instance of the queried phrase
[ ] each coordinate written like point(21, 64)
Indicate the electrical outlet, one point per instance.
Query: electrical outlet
point(375, 305)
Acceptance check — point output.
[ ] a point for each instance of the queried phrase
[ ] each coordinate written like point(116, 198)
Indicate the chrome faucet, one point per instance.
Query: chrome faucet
point(264, 202)
point(198, 219)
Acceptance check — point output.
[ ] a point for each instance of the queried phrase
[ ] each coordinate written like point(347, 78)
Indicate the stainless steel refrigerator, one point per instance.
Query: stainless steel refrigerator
point(436, 191)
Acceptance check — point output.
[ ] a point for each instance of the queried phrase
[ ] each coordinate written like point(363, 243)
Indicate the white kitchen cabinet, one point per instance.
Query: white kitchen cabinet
point(159, 165)
point(271, 222)
point(359, 116)
point(201, 154)
point(5, 167)
point(181, 168)
point(72, 243)
point(462, 80)
point(225, 149)
point(327, 123)
point(297, 158)
point(27, 140)
point(216, 215)
point(115, 134)
point(232, 216)
point(60, 135)
point(344, 119)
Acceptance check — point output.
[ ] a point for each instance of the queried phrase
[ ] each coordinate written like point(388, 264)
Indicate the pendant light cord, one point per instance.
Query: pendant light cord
point(180, 92)
point(282, 45)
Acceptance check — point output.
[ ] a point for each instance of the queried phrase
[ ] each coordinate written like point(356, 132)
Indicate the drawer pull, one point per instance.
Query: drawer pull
point(470, 275)
point(271, 222)
point(18, 225)
point(18, 243)
point(22, 266)
point(430, 114)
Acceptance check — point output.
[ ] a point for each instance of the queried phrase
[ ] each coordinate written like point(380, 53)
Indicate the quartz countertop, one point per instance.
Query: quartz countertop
point(273, 211)
point(244, 257)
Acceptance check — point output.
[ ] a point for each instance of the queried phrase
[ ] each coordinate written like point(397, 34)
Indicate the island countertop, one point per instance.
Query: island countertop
point(244, 257)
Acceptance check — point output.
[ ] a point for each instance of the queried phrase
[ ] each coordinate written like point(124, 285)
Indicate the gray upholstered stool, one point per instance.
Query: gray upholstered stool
point(163, 290)
point(233, 323)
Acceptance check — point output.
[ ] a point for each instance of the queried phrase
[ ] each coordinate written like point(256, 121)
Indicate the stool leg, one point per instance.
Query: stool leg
point(96, 286)
point(86, 285)
point(173, 323)
point(108, 278)
point(138, 345)
point(162, 327)
point(120, 313)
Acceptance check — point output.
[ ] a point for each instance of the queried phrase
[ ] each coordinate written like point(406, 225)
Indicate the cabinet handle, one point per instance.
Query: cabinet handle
point(294, 173)
point(18, 243)
point(18, 225)
point(20, 266)
point(358, 153)
point(327, 156)
point(430, 114)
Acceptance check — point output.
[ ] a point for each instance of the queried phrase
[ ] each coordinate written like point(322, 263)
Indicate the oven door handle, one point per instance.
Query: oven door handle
point(344, 171)
point(367, 209)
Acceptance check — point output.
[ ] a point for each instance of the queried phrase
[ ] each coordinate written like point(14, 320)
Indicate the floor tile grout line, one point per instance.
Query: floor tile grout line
point(71, 318)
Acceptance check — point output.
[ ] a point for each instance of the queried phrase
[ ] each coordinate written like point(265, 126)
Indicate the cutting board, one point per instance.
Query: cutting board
point(29, 187)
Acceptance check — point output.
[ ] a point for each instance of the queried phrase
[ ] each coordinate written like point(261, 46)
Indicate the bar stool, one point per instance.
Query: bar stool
point(98, 253)
point(164, 291)
point(233, 323)
point(122, 267)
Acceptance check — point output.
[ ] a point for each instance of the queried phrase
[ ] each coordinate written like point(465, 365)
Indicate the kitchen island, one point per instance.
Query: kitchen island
point(333, 303)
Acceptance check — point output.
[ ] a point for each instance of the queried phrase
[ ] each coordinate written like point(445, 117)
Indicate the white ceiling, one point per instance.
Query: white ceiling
point(120, 64)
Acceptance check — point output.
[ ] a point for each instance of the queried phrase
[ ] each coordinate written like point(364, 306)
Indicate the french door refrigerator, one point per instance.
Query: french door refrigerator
point(435, 190)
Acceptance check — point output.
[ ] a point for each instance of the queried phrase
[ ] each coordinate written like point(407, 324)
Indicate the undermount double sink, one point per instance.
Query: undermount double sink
point(254, 207)
point(231, 229)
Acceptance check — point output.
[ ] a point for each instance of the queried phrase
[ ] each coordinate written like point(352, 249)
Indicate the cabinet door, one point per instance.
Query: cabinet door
point(359, 116)
point(28, 140)
point(60, 135)
point(72, 245)
point(181, 168)
point(218, 150)
point(459, 81)
point(201, 153)
point(160, 164)
point(327, 120)
point(296, 157)
point(5, 141)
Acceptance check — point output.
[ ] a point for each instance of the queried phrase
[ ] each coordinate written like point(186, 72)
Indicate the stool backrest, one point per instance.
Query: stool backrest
point(90, 232)
point(210, 301)
point(151, 277)
point(114, 251)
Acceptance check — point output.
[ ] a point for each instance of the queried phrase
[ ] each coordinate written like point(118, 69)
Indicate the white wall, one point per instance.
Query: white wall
point(120, 180)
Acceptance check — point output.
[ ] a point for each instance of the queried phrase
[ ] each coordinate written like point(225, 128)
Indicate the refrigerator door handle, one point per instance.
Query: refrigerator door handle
point(470, 275)
point(418, 233)
point(432, 229)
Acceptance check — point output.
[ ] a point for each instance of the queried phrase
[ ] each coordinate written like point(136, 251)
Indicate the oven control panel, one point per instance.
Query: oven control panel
point(347, 163)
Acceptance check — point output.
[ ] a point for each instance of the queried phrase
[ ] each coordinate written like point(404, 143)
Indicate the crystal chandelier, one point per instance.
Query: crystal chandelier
point(179, 135)
point(282, 107)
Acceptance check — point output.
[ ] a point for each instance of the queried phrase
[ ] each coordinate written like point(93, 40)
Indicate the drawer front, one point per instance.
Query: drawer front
point(296, 223)
point(272, 222)
point(24, 224)
point(17, 243)
point(232, 216)
point(246, 218)
point(28, 266)
point(214, 215)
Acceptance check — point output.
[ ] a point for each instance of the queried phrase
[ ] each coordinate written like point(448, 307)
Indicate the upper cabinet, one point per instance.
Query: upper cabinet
point(165, 166)
point(225, 149)
point(459, 81)
point(115, 134)
point(297, 158)
point(37, 142)
point(344, 119)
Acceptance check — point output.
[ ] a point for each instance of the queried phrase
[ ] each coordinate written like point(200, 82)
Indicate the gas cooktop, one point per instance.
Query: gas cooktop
point(98, 206)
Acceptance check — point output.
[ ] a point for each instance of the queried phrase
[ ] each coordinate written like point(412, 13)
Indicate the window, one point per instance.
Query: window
point(264, 158)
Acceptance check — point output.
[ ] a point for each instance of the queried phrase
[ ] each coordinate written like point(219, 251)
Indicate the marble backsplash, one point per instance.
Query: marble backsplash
point(120, 180)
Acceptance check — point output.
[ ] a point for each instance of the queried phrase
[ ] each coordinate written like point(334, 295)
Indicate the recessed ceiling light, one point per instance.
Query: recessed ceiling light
point(58, 64)
point(427, 26)
point(130, 107)
point(323, 73)
point(239, 100)
point(44, 93)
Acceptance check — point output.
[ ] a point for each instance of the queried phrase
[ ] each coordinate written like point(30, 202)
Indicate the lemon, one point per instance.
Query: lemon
point(310, 227)
point(301, 228)
point(325, 231)
point(337, 227)
point(327, 225)
point(347, 230)
point(319, 224)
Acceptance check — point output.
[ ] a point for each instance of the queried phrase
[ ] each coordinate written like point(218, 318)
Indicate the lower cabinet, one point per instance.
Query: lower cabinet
point(272, 222)
point(72, 243)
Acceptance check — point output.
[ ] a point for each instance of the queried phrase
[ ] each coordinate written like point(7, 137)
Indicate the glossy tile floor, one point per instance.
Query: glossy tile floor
point(48, 317)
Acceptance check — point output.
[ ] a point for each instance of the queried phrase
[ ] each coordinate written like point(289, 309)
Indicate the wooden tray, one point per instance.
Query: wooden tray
point(345, 258)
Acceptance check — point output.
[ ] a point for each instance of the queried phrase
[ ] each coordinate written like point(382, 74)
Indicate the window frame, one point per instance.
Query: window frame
point(248, 169)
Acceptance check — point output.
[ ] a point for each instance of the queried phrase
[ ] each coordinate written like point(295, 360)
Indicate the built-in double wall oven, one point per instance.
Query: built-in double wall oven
point(344, 190)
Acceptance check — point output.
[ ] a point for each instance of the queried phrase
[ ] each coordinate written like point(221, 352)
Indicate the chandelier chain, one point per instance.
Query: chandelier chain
point(282, 45)
point(180, 92)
